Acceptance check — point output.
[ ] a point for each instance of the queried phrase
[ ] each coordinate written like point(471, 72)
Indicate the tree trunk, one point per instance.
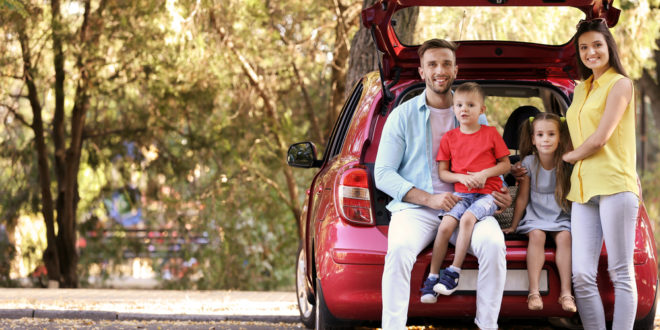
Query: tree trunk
point(50, 256)
point(363, 54)
point(340, 57)
point(651, 90)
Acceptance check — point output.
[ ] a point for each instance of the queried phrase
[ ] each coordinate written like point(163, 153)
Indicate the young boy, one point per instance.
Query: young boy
point(478, 156)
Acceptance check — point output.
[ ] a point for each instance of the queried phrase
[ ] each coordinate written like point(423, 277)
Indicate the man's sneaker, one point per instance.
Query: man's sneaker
point(428, 295)
point(448, 282)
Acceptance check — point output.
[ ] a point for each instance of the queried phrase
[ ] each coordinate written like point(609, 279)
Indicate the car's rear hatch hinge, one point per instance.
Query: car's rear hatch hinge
point(388, 96)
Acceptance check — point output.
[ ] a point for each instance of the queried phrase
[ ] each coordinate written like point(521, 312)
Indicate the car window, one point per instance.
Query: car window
point(338, 134)
point(499, 108)
point(503, 98)
point(541, 25)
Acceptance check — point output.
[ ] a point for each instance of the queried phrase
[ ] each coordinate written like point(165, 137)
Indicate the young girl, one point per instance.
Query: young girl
point(542, 194)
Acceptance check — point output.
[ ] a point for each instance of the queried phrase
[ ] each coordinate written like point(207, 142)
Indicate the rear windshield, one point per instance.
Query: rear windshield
point(541, 25)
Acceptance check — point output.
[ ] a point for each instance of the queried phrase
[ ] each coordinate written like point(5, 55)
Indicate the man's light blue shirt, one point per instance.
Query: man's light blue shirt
point(405, 156)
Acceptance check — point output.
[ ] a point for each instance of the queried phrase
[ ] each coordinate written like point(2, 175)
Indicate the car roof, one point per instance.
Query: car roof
point(484, 59)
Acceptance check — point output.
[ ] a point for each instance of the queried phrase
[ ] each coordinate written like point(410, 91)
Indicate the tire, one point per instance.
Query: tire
point(648, 320)
point(305, 306)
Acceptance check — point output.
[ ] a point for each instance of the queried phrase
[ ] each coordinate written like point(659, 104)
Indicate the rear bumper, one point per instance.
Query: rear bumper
point(352, 287)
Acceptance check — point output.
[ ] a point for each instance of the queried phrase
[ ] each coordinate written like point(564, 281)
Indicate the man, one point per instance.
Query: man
point(406, 170)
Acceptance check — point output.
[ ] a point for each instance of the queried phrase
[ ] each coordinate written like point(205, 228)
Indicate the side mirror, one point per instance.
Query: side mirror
point(302, 154)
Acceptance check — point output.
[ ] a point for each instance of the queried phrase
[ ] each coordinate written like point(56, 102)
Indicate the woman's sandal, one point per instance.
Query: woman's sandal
point(567, 303)
point(534, 302)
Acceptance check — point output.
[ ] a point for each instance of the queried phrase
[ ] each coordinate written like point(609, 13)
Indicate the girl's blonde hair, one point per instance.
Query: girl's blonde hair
point(563, 169)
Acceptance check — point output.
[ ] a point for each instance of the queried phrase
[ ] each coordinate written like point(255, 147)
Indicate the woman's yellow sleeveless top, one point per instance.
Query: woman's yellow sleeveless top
point(611, 169)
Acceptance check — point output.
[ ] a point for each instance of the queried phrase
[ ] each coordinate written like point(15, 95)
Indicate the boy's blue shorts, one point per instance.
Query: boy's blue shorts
point(480, 205)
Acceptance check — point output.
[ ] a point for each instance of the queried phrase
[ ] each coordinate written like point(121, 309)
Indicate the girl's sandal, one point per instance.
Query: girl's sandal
point(534, 302)
point(567, 303)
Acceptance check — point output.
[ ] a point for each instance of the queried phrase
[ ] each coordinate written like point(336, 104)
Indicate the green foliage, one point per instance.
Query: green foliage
point(13, 5)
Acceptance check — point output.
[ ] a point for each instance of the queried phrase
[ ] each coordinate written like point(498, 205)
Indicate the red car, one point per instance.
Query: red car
point(344, 223)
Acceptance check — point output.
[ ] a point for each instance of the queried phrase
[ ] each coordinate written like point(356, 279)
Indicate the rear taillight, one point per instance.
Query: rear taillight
point(354, 200)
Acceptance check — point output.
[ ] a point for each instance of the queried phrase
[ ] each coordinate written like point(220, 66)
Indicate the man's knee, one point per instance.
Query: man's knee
point(488, 245)
point(400, 255)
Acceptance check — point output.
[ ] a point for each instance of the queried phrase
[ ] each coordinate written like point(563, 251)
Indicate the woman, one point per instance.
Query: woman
point(604, 189)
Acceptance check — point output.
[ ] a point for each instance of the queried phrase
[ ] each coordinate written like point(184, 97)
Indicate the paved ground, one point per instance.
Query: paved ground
point(163, 309)
point(111, 304)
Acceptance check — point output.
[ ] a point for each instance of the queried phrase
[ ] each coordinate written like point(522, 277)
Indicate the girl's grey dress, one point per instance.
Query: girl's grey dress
point(542, 211)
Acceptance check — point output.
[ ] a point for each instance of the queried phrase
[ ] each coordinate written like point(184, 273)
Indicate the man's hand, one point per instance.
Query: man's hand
point(444, 201)
point(502, 199)
point(518, 171)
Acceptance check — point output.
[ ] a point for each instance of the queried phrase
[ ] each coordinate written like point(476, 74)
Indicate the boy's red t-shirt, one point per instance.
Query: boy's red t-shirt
point(473, 153)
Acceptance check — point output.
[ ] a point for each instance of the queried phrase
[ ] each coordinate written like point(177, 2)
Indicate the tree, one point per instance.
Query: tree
point(79, 42)
point(363, 53)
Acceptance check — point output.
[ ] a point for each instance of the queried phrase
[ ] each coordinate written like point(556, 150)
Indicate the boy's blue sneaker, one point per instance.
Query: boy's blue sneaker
point(428, 295)
point(447, 283)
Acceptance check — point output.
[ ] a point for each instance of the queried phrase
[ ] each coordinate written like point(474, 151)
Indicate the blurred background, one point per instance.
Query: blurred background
point(143, 143)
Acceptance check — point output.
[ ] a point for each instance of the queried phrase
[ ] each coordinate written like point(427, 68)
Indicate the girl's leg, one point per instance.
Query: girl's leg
point(445, 230)
point(535, 258)
point(535, 261)
point(466, 227)
point(587, 241)
point(563, 260)
point(618, 214)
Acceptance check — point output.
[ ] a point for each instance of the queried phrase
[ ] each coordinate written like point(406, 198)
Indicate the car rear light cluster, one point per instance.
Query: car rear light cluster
point(354, 200)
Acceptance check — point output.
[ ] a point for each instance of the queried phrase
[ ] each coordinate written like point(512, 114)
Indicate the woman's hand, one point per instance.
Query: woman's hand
point(569, 157)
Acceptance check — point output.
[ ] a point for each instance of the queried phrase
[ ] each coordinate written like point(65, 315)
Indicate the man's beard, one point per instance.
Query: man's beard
point(429, 85)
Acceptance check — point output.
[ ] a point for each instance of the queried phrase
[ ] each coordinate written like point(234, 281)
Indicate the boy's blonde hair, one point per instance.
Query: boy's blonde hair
point(472, 87)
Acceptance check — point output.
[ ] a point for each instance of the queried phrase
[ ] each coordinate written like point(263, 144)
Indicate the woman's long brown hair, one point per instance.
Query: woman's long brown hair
point(564, 169)
point(597, 25)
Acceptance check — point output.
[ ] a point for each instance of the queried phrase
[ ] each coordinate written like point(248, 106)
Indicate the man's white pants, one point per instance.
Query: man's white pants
point(411, 231)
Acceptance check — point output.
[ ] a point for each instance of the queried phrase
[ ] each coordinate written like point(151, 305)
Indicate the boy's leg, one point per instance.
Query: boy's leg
point(410, 232)
point(464, 236)
point(445, 230)
point(482, 206)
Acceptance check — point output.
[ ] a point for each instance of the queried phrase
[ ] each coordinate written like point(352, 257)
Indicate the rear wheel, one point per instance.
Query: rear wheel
point(307, 310)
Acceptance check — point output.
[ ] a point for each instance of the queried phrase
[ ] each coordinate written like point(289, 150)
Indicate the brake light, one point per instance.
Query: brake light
point(354, 200)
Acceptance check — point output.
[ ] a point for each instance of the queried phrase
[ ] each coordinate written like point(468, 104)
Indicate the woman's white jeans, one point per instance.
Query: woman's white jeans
point(611, 218)
point(411, 231)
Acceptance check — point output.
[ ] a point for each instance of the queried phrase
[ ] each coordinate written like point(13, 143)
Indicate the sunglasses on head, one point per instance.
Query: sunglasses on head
point(598, 20)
